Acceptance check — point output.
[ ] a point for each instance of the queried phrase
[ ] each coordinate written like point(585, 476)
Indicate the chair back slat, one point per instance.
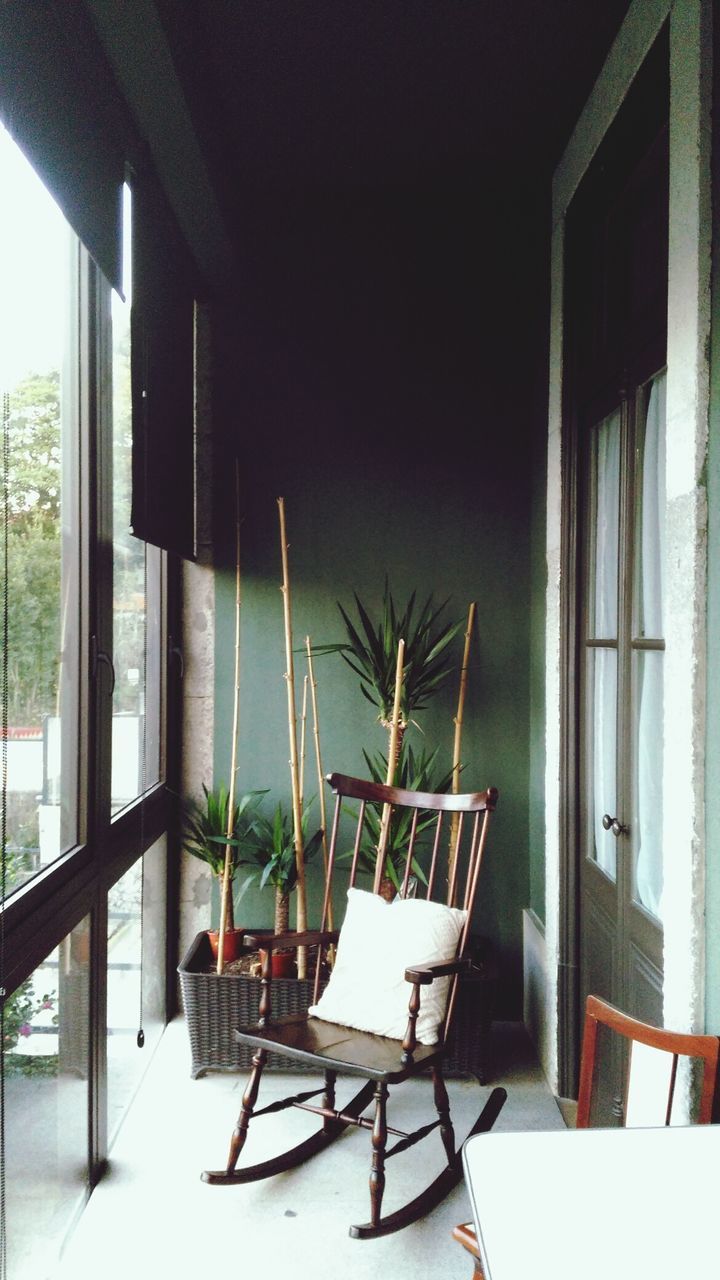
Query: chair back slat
point(457, 845)
point(477, 849)
point(652, 1069)
point(434, 858)
point(409, 854)
point(472, 862)
point(476, 856)
point(356, 846)
point(379, 793)
point(331, 863)
point(427, 812)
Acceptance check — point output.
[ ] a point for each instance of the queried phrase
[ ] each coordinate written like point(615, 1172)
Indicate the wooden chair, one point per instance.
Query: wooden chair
point(652, 1067)
point(653, 1055)
point(335, 1048)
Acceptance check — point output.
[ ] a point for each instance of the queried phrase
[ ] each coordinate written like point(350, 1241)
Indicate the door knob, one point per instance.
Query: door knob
point(614, 825)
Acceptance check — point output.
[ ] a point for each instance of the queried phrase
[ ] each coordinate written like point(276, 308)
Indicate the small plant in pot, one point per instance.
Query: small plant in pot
point(273, 853)
point(205, 836)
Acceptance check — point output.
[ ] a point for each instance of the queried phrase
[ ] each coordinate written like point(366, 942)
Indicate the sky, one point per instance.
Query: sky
point(34, 260)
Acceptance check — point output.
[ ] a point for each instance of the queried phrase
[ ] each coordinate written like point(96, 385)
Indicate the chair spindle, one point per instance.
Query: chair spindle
point(409, 856)
point(434, 858)
point(452, 887)
point(356, 848)
point(471, 863)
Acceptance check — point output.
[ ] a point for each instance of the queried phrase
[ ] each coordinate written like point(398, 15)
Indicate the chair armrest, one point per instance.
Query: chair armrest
point(275, 941)
point(420, 976)
point(426, 973)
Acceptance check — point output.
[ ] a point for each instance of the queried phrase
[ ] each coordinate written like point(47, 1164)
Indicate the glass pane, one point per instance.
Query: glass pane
point(136, 589)
point(603, 744)
point(604, 529)
point(651, 516)
point(648, 756)
point(136, 961)
point(45, 1059)
point(38, 272)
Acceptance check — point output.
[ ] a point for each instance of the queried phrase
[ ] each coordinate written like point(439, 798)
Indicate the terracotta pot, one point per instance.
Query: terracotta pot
point(387, 889)
point(232, 946)
point(283, 964)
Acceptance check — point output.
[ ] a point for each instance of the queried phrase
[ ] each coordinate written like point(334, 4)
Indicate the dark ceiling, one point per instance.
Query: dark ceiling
point(292, 95)
point(383, 168)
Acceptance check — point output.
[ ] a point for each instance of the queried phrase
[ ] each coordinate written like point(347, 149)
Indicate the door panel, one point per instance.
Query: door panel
point(647, 868)
point(602, 845)
point(615, 313)
point(605, 536)
point(600, 952)
point(645, 993)
point(621, 724)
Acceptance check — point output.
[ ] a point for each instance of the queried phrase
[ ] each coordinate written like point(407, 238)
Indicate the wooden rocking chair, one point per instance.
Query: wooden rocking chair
point(340, 1047)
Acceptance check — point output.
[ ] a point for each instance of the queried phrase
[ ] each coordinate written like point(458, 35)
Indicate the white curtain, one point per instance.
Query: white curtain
point(607, 516)
point(649, 668)
point(604, 626)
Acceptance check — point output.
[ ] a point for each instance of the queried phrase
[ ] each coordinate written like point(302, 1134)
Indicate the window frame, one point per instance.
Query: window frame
point(45, 909)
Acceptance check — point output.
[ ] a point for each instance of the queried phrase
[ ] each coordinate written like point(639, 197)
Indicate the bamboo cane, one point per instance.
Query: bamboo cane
point(303, 726)
point(226, 895)
point(301, 909)
point(452, 851)
point(392, 752)
point(318, 762)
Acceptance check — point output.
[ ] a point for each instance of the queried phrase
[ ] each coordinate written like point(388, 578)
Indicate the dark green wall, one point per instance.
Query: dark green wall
point(395, 415)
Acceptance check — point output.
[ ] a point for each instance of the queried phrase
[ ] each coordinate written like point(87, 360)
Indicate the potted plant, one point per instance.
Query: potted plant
point(371, 651)
point(274, 855)
point(415, 772)
point(205, 836)
point(216, 1003)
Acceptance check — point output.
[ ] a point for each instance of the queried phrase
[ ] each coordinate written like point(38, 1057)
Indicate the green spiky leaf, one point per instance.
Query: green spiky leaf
point(371, 652)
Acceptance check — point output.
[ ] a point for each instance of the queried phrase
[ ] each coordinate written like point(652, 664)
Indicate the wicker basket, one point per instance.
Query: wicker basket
point(215, 1005)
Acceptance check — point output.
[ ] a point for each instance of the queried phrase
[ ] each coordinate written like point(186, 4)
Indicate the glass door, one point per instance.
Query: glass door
point(621, 726)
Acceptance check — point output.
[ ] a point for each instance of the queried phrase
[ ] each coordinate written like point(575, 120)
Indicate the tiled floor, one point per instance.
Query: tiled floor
point(151, 1214)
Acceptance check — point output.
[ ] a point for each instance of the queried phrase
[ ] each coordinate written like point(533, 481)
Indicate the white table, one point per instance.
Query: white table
point(622, 1204)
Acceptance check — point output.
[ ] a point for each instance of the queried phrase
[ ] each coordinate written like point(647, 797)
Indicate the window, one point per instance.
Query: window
point(38, 348)
point(84, 857)
point(137, 569)
point(135, 975)
point(46, 1065)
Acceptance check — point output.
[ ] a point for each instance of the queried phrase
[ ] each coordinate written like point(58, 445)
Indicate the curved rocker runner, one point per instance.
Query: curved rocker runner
point(296, 1155)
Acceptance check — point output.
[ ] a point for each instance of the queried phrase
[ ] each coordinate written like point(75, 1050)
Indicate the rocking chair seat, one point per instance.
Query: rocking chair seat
point(338, 1048)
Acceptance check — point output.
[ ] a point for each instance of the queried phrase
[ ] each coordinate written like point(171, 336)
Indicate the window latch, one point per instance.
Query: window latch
point(174, 651)
point(98, 655)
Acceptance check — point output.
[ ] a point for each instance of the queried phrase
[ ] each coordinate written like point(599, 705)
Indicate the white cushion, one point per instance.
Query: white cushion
point(378, 942)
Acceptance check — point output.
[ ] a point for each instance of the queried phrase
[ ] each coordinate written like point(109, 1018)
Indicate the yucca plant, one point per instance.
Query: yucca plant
point(371, 652)
point(273, 853)
point(415, 772)
point(206, 827)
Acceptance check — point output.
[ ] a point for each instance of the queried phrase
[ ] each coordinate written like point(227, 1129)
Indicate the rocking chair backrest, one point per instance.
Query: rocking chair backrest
point(448, 831)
